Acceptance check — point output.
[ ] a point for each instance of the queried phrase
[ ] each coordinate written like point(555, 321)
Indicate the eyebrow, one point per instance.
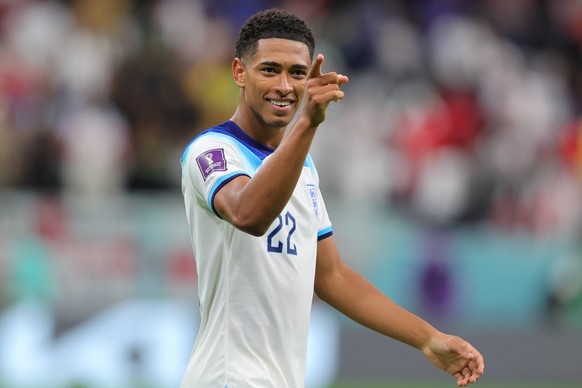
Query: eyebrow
point(278, 65)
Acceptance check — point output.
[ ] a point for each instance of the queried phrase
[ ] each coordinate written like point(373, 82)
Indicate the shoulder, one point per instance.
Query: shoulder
point(209, 140)
point(311, 165)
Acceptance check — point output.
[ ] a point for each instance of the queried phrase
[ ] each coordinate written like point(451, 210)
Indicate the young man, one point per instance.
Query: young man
point(261, 233)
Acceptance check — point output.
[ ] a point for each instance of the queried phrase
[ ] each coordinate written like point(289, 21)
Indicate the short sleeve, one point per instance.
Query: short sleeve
point(324, 226)
point(210, 162)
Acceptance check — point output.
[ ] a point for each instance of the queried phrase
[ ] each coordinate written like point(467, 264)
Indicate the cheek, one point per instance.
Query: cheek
point(252, 95)
point(300, 92)
point(258, 90)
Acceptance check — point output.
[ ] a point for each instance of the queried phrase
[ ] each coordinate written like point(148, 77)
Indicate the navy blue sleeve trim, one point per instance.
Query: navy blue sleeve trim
point(325, 235)
point(218, 187)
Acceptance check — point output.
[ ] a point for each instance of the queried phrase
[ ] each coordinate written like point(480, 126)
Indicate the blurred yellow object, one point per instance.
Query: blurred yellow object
point(99, 14)
point(209, 86)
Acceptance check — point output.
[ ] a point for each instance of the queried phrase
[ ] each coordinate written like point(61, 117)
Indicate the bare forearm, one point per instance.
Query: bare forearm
point(355, 297)
point(273, 185)
point(263, 197)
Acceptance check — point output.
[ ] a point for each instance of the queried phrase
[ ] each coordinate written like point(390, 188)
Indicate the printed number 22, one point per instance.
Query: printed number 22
point(278, 246)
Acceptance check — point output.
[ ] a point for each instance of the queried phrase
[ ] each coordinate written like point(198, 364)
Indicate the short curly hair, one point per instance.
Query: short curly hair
point(272, 23)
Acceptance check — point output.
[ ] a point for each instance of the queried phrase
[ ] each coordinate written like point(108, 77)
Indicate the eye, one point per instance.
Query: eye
point(268, 70)
point(298, 73)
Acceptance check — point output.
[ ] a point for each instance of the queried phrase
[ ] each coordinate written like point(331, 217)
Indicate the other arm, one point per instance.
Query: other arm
point(351, 294)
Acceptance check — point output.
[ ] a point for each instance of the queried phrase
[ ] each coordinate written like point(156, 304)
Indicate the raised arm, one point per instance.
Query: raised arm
point(252, 204)
point(351, 294)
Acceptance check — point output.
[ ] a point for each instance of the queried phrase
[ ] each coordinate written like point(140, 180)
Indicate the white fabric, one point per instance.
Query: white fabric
point(255, 301)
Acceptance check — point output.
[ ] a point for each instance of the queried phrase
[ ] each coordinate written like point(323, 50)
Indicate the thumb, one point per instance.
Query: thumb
point(315, 70)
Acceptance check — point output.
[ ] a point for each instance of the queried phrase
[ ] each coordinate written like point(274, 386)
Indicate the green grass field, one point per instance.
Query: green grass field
point(423, 384)
point(388, 384)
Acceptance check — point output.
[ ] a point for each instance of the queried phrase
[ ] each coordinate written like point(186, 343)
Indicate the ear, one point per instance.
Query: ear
point(238, 72)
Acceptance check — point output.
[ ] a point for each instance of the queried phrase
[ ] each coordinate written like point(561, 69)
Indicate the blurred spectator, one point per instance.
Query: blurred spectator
point(94, 145)
point(458, 111)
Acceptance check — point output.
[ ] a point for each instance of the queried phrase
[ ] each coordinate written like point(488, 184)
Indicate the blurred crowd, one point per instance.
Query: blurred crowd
point(456, 111)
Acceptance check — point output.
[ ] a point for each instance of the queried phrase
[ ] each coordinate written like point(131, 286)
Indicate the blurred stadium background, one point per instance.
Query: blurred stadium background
point(452, 172)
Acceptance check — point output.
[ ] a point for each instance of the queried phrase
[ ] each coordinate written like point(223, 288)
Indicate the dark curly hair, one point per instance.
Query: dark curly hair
point(272, 23)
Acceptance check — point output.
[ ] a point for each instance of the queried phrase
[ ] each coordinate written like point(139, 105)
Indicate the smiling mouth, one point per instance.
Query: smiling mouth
point(280, 103)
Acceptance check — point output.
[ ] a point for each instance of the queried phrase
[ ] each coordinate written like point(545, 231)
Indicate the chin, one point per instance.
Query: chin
point(278, 122)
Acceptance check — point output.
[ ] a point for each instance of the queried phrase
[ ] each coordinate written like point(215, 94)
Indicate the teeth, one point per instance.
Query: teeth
point(279, 103)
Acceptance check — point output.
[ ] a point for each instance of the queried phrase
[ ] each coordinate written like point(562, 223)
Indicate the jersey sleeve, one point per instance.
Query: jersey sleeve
point(324, 228)
point(210, 162)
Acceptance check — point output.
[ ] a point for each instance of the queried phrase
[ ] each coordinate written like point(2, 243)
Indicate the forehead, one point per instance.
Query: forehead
point(282, 51)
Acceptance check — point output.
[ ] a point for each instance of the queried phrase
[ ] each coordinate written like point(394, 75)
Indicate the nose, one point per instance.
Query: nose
point(283, 86)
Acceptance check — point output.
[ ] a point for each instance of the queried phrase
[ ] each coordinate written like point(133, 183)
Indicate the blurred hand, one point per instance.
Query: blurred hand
point(455, 356)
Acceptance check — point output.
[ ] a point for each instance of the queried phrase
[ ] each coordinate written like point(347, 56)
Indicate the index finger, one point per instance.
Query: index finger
point(315, 70)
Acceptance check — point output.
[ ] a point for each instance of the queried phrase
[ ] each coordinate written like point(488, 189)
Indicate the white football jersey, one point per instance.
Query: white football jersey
point(255, 292)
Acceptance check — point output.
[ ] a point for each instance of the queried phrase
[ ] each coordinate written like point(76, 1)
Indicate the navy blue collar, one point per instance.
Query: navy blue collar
point(232, 129)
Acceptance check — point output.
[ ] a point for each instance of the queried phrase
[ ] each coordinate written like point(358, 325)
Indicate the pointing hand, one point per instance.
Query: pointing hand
point(322, 88)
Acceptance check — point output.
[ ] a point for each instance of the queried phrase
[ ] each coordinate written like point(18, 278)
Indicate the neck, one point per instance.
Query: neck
point(270, 136)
